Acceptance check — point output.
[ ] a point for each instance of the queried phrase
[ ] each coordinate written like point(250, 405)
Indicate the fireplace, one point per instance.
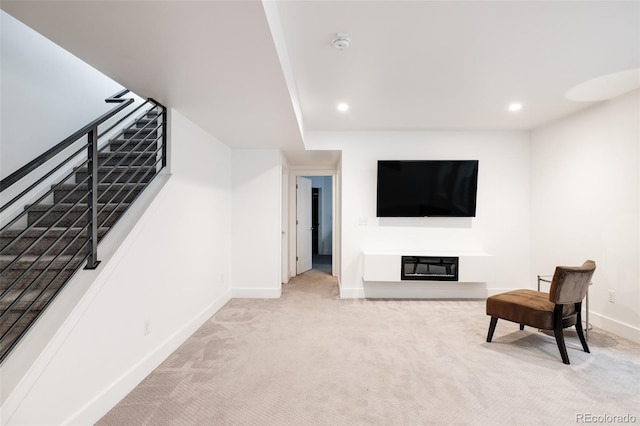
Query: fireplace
point(429, 268)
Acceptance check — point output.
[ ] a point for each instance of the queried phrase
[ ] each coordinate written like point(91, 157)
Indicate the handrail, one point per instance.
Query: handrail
point(52, 152)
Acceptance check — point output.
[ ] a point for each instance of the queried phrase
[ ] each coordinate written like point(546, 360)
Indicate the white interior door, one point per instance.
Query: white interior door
point(303, 224)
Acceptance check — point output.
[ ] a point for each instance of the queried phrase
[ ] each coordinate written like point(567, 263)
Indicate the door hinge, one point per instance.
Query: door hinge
point(296, 186)
point(296, 258)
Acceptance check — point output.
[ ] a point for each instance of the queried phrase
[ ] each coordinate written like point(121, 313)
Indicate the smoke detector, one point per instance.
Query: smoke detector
point(342, 41)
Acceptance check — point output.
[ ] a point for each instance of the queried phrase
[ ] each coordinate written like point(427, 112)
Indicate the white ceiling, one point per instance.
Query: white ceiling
point(213, 61)
point(418, 65)
point(412, 65)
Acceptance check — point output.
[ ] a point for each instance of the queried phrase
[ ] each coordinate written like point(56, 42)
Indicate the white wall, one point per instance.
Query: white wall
point(585, 205)
point(257, 221)
point(324, 183)
point(501, 227)
point(173, 269)
point(41, 81)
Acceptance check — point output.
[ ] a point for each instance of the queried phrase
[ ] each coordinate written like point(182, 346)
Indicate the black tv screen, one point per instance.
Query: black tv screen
point(427, 188)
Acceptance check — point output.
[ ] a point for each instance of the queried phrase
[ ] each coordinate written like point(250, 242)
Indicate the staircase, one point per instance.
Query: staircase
point(43, 248)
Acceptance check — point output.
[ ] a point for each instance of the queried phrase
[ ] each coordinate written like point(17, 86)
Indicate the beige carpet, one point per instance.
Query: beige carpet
point(310, 358)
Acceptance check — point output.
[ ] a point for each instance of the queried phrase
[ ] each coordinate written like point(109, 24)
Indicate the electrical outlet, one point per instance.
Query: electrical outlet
point(612, 296)
point(147, 327)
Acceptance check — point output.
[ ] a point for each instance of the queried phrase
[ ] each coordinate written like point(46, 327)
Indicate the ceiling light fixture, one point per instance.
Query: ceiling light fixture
point(342, 41)
point(605, 87)
point(515, 107)
point(343, 107)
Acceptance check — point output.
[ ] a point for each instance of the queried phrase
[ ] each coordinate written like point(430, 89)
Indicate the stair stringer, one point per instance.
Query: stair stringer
point(30, 357)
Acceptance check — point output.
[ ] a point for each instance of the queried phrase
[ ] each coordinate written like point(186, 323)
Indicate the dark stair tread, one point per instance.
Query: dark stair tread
point(106, 171)
point(19, 279)
point(145, 127)
point(133, 144)
point(147, 123)
point(101, 186)
point(144, 142)
point(64, 207)
point(69, 214)
point(37, 231)
point(46, 245)
point(141, 131)
point(13, 316)
point(26, 261)
point(127, 154)
point(55, 240)
point(115, 194)
point(26, 297)
point(131, 175)
point(108, 168)
point(127, 159)
point(135, 139)
point(24, 273)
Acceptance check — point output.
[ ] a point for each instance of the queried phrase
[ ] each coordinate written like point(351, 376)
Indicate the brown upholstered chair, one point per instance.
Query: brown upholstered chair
point(556, 310)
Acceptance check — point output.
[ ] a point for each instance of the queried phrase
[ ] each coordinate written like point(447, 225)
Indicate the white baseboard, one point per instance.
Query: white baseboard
point(425, 290)
point(91, 412)
point(614, 326)
point(435, 290)
point(256, 293)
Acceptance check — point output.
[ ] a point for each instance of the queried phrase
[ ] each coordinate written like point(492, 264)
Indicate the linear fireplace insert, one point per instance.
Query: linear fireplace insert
point(429, 268)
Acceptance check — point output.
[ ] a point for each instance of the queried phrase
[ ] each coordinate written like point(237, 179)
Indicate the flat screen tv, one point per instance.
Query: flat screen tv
point(419, 188)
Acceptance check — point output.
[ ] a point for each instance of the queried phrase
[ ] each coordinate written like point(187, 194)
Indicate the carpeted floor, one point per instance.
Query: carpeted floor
point(310, 358)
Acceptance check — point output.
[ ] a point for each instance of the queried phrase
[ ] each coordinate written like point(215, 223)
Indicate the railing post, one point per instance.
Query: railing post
point(164, 137)
point(92, 199)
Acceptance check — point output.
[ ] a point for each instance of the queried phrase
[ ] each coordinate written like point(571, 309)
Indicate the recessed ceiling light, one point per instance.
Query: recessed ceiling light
point(343, 107)
point(515, 107)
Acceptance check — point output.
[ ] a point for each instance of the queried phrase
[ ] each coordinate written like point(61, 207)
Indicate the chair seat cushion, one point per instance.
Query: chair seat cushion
point(528, 307)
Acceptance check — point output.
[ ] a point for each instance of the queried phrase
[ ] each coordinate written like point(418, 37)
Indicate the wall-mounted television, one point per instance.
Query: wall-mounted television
point(419, 188)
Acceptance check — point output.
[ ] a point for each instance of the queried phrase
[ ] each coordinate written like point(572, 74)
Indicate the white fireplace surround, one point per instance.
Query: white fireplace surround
point(385, 266)
point(381, 276)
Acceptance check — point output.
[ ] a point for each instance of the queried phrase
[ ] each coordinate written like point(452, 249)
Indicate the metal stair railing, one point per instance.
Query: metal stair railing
point(32, 276)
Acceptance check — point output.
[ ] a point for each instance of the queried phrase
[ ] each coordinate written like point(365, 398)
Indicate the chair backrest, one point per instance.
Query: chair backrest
point(570, 283)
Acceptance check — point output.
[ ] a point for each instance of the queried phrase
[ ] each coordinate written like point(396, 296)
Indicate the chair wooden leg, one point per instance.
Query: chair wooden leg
point(521, 326)
point(492, 328)
point(561, 346)
point(557, 331)
point(579, 328)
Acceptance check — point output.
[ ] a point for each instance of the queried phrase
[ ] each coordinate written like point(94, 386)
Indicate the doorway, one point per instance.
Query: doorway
point(314, 223)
